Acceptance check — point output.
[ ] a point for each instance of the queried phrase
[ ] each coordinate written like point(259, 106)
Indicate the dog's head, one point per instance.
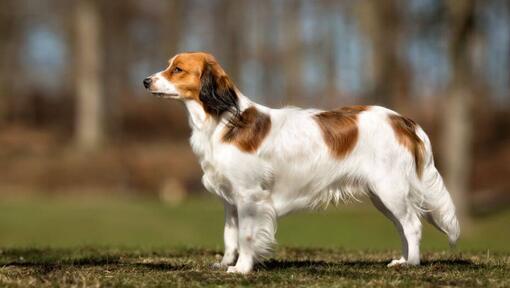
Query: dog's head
point(195, 76)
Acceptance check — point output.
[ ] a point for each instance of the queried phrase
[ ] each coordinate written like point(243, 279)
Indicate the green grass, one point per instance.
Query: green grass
point(133, 242)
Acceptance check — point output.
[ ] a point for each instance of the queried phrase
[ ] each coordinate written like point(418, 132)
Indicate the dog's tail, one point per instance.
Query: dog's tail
point(437, 203)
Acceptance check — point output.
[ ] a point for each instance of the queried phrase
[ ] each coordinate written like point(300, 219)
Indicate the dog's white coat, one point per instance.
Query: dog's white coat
point(294, 169)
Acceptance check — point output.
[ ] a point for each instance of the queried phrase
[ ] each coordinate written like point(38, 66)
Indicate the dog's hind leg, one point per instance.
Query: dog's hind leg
point(257, 228)
point(230, 237)
point(392, 201)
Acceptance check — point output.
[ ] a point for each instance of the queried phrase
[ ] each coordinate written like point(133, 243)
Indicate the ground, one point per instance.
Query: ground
point(289, 268)
point(73, 242)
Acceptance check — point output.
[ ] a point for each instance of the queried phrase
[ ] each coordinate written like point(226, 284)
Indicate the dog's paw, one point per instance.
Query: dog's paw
point(397, 262)
point(235, 269)
point(403, 262)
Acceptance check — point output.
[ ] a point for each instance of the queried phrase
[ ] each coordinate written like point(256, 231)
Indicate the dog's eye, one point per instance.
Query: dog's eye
point(177, 70)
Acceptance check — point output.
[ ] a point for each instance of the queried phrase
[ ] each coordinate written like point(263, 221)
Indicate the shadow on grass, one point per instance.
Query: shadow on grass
point(47, 260)
point(290, 264)
point(320, 264)
point(46, 266)
point(163, 266)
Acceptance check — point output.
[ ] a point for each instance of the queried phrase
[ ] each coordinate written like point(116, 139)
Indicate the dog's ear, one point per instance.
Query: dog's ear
point(217, 91)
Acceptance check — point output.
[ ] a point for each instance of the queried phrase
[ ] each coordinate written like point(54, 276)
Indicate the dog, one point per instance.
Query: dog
point(265, 163)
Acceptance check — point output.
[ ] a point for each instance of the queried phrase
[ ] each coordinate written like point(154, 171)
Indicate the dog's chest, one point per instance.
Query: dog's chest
point(213, 180)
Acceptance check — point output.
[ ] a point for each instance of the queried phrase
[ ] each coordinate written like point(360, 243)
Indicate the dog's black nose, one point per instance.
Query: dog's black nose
point(147, 82)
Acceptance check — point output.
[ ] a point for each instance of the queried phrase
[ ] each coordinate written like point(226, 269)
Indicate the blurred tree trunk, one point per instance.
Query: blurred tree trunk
point(293, 54)
point(173, 24)
point(457, 120)
point(265, 50)
point(330, 8)
point(8, 54)
point(381, 22)
point(229, 23)
point(118, 54)
point(4, 72)
point(89, 88)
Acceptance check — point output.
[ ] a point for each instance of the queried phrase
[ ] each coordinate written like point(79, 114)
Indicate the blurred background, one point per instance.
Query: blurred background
point(88, 157)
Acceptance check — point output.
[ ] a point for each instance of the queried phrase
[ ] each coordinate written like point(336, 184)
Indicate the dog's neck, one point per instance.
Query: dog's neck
point(202, 122)
point(204, 125)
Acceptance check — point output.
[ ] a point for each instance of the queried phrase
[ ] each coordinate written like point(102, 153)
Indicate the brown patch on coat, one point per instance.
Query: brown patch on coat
point(248, 132)
point(405, 131)
point(340, 129)
point(354, 109)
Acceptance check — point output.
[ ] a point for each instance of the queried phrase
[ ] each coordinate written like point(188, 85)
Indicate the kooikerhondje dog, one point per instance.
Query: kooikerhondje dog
point(264, 163)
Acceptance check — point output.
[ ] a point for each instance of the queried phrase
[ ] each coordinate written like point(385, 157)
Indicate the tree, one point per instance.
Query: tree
point(264, 50)
point(89, 88)
point(119, 48)
point(8, 53)
point(381, 22)
point(293, 53)
point(229, 25)
point(457, 134)
point(173, 24)
point(329, 48)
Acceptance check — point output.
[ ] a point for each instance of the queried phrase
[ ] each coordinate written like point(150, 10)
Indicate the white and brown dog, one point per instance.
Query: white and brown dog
point(265, 163)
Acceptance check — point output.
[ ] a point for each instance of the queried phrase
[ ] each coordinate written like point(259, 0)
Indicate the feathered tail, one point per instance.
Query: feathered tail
point(438, 205)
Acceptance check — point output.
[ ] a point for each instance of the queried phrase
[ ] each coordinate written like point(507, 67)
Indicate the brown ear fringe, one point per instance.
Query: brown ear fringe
point(217, 92)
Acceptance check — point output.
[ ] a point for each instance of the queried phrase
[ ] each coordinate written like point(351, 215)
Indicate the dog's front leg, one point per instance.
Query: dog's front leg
point(257, 227)
point(230, 236)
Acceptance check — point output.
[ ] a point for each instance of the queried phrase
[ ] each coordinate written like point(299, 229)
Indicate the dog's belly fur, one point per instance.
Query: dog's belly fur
point(292, 191)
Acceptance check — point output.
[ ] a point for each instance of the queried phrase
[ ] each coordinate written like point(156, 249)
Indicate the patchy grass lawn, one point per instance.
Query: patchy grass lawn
point(134, 243)
point(291, 267)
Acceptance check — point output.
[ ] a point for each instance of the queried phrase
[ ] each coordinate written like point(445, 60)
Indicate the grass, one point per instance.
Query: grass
point(289, 268)
point(133, 243)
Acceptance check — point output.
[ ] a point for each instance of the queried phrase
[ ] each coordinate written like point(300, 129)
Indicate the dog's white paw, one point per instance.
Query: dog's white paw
point(398, 262)
point(238, 270)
